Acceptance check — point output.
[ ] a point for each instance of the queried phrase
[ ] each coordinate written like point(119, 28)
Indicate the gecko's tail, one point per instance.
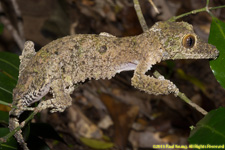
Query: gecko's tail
point(14, 126)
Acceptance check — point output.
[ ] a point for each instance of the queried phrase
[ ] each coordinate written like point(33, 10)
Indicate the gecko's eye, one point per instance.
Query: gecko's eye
point(188, 41)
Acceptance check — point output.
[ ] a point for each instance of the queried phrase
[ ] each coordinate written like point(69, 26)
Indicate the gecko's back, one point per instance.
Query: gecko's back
point(79, 57)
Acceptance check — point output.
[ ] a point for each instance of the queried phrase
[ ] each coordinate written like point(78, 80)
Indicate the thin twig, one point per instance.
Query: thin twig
point(19, 19)
point(11, 133)
point(189, 102)
point(73, 28)
point(13, 106)
point(185, 98)
point(8, 25)
point(140, 15)
point(7, 104)
point(207, 6)
point(154, 7)
point(174, 18)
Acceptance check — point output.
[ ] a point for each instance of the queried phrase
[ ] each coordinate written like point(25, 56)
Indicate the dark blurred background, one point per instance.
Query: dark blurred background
point(146, 119)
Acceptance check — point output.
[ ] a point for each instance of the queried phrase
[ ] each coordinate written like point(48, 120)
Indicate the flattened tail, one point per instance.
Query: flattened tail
point(13, 125)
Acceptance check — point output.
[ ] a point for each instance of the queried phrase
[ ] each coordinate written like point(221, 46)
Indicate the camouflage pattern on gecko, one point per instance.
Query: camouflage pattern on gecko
point(60, 65)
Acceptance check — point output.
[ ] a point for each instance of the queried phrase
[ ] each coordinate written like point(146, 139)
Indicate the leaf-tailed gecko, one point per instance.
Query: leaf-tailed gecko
point(60, 65)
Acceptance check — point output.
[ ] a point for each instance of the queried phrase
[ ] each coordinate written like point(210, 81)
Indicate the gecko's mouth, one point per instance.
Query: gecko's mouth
point(213, 55)
point(203, 56)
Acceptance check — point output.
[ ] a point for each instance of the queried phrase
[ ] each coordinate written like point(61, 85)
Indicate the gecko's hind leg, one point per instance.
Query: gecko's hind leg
point(60, 101)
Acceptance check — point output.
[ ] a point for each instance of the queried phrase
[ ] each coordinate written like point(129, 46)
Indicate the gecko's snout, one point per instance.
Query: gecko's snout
point(213, 52)
point(216, 53)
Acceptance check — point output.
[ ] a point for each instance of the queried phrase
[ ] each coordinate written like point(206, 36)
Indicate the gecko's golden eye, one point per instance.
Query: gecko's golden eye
point(188, 41)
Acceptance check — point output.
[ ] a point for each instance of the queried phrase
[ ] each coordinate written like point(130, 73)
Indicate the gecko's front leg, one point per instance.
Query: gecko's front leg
point(60, 101)
point(150, 84)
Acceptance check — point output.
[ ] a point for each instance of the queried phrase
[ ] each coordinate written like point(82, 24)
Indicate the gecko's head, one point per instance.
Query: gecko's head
point(178, 41)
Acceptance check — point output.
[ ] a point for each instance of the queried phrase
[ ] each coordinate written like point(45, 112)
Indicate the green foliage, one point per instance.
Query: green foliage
point(9, 69)
point(4, 118)
point(217, 38)
point(210, 130)
point(10, 144)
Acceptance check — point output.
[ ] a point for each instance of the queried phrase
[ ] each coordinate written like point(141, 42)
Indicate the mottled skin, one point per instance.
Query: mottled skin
point(61, 64)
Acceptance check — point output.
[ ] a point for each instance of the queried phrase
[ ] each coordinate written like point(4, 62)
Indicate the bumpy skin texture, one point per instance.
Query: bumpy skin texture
point(59, 66)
